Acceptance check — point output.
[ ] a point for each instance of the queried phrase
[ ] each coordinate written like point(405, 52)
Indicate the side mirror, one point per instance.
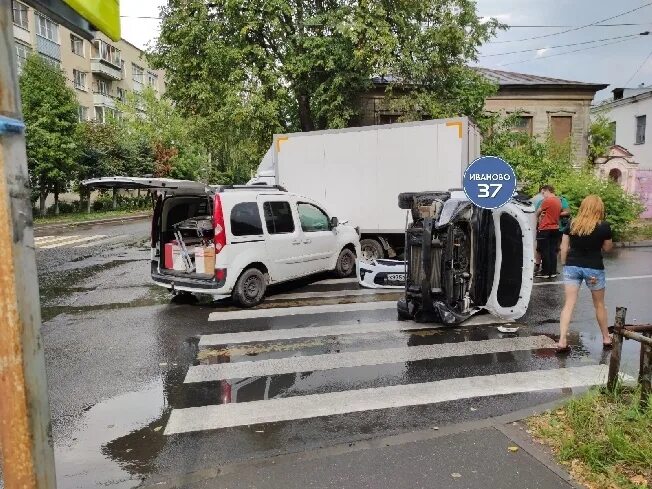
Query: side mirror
point(334, 222)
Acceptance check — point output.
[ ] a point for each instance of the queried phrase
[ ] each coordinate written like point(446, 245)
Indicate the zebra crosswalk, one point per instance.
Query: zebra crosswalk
point(71, 241)
point(315, 363)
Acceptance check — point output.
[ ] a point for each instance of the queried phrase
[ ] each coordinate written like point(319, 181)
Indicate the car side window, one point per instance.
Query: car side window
point(278, 217)
point(312, 218)
point(245, 220)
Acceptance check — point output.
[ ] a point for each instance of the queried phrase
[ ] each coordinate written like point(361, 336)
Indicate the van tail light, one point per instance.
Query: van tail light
point(218, 225)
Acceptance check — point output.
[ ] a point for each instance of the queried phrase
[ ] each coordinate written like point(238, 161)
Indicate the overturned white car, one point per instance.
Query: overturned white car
point(459, 259)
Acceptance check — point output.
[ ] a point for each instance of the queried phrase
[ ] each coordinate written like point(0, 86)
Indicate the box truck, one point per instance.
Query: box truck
point(359, 172)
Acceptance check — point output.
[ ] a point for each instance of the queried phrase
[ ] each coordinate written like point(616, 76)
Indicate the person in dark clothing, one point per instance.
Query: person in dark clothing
point(581, 254)
point(548, 215)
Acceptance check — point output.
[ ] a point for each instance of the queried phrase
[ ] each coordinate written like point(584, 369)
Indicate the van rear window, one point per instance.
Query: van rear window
point(245, 220)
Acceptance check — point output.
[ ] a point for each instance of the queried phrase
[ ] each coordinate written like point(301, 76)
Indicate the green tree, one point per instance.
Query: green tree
point(107, 150)
point(50, 111)
point(258, 67)
point(601, 137)
point(158, 129)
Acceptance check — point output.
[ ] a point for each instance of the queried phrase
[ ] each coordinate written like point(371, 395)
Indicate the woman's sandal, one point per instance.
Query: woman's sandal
point(562, 349)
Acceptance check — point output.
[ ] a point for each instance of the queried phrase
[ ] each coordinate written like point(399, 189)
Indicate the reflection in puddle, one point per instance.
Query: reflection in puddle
point(127, 429)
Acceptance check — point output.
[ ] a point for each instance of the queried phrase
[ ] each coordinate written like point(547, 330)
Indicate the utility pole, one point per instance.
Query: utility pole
point(25, 427)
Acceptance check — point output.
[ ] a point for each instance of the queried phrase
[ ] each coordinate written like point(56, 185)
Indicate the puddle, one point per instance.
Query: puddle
point(116, 441)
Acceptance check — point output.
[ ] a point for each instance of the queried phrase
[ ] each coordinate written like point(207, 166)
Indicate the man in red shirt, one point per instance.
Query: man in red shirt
point(547, 231)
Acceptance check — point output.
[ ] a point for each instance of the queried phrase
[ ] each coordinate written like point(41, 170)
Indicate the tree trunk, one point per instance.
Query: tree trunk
point(305, 115)
point(88, 201)
point(42, 197)
point(56, 199)
point(115, 199)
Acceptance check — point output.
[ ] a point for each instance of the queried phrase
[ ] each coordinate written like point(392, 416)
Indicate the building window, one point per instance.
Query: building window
point(122, 94)
point(152, 79)
point(122, 68)
point(47, 29)
point(103, 114)
point(640, 129)
point(388, 118)
point(22, 53)
point(82, 113)
point(612, 129)
point(19, 14)
point(106, 52)
point(103, 87)
point(523, 124)
point(79, 79)
point(137, 73)
point(77, 45)
point(561, 128)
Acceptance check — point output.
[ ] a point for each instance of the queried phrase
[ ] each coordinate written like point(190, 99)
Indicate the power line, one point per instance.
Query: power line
point(638, 69)
point(567, 52)
point(563, 45)
point(565, 26)
point(574, 28)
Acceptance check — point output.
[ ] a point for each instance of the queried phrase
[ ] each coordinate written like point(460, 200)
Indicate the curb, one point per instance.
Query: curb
point(135, 217)
point(634, 244)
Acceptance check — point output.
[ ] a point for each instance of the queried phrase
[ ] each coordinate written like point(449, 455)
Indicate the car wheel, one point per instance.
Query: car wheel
point(406, 200)
point(249, 290)
point(345, 263)
point(371, 250)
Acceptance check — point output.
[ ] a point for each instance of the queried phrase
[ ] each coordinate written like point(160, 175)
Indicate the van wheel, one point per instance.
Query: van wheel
point(249, 290)
point(371, 250)
point(345, 263)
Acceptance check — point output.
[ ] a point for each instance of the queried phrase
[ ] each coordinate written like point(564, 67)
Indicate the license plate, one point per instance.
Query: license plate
point(396, 277)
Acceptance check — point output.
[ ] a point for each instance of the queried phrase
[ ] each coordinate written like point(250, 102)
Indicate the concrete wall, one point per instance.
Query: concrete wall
point(624, 112)
point(540, 104)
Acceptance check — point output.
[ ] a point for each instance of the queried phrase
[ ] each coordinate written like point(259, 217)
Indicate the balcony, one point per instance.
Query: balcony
point(106, 60)
point(103, 99)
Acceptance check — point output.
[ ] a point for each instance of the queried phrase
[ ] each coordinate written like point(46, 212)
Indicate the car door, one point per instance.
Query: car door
point(319, 241)
point(282, 237)
point(514, 261)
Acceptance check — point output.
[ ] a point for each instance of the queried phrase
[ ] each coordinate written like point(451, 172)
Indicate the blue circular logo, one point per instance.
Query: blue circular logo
point(489, 182)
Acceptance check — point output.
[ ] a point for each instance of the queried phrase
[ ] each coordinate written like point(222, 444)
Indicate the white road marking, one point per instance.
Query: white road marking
point(72, 240)
point(43, 240)
point(609, 279)
point(332, 293)
point(330, 361)
point(291, 311)
point(336, 281)
point(337, 330)
point(302, 407)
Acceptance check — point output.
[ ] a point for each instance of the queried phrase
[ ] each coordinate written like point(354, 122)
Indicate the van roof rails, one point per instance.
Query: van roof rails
point(221, 188)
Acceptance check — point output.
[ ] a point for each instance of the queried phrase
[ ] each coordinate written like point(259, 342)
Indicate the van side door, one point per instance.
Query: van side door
point(282, 237)
point(319, 241)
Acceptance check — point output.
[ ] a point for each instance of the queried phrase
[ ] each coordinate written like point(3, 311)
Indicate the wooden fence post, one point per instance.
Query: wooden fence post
point(614, 363)
point(645, 373)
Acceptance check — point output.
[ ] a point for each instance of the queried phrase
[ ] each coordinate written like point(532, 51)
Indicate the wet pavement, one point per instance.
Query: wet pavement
point(118, 352)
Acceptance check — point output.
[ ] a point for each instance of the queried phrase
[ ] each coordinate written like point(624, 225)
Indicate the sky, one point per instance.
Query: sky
point(614, 58)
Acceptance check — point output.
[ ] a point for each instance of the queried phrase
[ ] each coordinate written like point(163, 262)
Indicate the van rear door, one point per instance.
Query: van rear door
point(134, 183)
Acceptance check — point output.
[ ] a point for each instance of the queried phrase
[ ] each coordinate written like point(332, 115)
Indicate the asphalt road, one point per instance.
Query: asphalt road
point(118, 353)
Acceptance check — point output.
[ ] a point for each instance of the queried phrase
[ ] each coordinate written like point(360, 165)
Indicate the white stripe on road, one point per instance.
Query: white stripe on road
point(609, 279)
point(338, 330)
point(291, 311)
point(335, 281)
point(330, 361)
point(72, 241)
point(43, 240)
point(332, 293)
point(333, 403)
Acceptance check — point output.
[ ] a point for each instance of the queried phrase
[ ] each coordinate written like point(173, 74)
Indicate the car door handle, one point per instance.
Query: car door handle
point(307, 241)
point(296, 242)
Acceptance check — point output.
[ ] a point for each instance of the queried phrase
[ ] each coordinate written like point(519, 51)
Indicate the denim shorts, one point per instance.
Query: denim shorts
point(594, 279)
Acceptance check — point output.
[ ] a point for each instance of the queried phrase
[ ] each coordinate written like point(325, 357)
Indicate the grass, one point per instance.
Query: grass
point(604, 440)
point(638, 231)
point(83, 216)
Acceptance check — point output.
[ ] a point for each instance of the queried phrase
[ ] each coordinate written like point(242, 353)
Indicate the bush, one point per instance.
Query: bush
point(542, 161)
point(64, 207)
point(104, 202)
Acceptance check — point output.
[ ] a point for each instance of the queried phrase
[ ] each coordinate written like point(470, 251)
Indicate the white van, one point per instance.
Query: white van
point(237, 240)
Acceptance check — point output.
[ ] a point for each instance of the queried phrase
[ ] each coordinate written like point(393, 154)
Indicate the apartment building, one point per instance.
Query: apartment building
point(101, 71)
